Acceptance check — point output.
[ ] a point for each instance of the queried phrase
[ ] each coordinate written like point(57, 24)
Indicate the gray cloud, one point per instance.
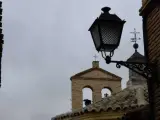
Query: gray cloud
point(46, 42)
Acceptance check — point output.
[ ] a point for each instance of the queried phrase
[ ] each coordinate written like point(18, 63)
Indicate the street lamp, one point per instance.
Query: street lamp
point(106, 33)
point(106, 38)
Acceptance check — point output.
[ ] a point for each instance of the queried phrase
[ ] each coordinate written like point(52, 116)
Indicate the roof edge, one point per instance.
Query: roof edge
point(90, 78)
point(90, 69)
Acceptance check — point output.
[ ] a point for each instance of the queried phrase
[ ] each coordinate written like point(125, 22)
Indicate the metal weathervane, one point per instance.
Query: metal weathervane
point(135, 36)
point(135, 39)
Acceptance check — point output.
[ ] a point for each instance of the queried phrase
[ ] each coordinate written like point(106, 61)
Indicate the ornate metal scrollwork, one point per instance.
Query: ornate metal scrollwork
point(142, 69)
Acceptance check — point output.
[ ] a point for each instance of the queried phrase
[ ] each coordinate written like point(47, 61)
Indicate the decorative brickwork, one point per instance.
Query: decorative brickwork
point(153, 29)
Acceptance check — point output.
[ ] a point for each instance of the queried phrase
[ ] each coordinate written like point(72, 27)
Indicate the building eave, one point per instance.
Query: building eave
point(91, 69)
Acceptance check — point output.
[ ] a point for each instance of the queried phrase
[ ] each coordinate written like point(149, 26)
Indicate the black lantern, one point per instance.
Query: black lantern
point(106, 31)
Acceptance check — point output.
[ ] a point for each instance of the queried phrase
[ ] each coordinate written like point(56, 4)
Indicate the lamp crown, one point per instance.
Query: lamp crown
point(106, 9)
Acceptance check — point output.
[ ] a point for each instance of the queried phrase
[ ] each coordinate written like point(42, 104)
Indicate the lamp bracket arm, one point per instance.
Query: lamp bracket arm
point(143, 69)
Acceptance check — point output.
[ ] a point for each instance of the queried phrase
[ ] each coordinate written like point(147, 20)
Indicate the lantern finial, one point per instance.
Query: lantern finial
point(106, 9)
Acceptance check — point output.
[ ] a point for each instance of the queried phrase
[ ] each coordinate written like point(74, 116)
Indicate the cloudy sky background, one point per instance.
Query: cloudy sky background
point(46, 42)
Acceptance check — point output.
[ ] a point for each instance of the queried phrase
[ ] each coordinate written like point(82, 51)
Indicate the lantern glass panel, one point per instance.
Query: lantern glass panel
point(110, 34)
point(96, 37)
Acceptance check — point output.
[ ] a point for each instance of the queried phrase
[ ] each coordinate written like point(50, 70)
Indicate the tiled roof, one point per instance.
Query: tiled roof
point(128, 99)
point(136, 57)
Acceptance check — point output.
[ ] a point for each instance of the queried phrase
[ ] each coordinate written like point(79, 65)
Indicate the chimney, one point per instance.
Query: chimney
point(95, 64)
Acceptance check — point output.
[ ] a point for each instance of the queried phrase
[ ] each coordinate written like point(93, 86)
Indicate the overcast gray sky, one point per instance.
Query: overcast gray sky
point(46, 42)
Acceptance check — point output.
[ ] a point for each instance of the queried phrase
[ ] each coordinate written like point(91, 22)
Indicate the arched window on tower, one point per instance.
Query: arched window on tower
point(87, 94)
point(106, 92)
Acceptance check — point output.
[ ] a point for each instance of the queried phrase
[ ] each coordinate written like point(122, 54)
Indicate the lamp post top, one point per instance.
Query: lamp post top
point(106, 9)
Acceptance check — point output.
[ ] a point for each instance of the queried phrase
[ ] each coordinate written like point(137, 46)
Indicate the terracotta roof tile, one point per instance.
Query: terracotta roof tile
point(129, 98)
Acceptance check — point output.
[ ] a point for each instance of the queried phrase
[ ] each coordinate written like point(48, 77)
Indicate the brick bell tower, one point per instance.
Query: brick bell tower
point(150, 12)
point(96, 79)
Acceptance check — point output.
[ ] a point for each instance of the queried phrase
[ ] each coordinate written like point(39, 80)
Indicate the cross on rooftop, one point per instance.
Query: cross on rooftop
point(134, 39)
point(95, 57)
